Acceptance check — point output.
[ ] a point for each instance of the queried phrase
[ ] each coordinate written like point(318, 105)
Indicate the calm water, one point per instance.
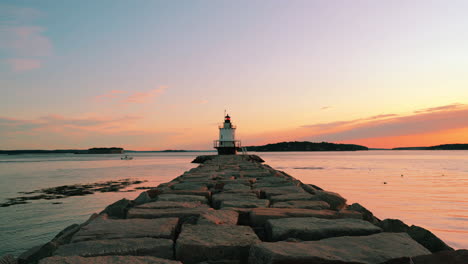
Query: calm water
point(425, 188)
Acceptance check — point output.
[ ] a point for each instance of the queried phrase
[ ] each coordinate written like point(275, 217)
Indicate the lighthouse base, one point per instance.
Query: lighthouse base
point(227, 150)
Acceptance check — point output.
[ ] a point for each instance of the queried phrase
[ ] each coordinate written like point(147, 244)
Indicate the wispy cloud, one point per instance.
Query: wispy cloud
point(24, 43)
point(58, 122)
point(346, 123)
point(126, 97)
point(441, 108)
point(325, 107)
point(57, 131)
point(429, 120)
point(109, 95)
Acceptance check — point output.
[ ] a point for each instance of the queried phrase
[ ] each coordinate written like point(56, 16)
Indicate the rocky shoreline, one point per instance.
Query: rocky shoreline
point(65, 191)
point(234, 209)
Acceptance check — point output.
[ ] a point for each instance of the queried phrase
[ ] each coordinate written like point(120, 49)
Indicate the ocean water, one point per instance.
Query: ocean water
point(424, 188)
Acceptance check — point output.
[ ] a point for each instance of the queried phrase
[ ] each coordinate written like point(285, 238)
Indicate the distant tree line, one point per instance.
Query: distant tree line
point(306, 146)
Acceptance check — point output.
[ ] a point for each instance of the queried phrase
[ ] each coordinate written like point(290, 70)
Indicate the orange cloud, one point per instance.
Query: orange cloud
point(125, 97)
point(144, 97)
point(391, 127)
point(430, 126)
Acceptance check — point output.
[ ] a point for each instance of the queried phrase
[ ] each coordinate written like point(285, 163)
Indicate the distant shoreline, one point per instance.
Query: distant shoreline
point(276, 147)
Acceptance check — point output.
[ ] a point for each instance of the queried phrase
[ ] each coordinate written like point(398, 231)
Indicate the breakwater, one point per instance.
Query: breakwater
point(233, 209)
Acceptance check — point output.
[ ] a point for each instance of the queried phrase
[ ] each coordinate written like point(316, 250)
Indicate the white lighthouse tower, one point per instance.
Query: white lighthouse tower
point(227, 143)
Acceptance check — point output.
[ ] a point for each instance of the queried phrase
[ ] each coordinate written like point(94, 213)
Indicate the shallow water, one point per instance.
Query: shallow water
point(425, 188)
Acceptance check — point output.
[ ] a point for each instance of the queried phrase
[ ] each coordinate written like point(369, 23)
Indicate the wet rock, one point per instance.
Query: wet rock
point(103, 228)
point(316, 205)
point(34, 254)
point(311, 228)
point(442, 257)
point(361, 249)
point(65, 236)
point(64, 191)
point(156, 247)
point(8, 259)
point(219, 217)
point(259, 216)
point(197, 243)
point(118, 209)
point(107, 260)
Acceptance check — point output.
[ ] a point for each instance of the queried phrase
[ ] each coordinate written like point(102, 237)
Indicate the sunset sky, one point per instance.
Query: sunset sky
point(153, 75)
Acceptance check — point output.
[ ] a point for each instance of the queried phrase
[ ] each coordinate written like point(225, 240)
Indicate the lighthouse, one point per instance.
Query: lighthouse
point(227, 143)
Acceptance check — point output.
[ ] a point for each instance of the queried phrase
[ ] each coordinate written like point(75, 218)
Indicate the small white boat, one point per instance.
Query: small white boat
point(126, 158)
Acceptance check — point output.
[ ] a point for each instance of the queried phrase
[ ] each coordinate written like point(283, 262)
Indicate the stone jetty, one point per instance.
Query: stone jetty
point(234, 209)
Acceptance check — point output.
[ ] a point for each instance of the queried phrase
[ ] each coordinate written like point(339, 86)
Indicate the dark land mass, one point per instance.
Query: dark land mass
point(112, 150)
point(64, 191)
point(438, 147)
point(306, 146)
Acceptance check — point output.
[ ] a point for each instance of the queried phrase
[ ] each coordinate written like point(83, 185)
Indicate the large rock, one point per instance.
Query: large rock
point(144, 197)
point(107, 260)
point(259, 216)
point(316, 205)
point(218, 198)
point(365, 249)
point(193, 186)
point(185, 215)
point(427, 239)
point(421, 235)
point(156, 247)
point(442, 257)
point(366, 214)
point(118, 209)
point(294, 197)
point(335, 200)
point(236, 187)
point(268, 192)
point(206, 194)
point(36, 253)
point(247, 203)
point(198, 243)
point(219, 217)
point(102, 228)
point(182, 198)
point(311, 228)
point(8, 259)
point(170, 204)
